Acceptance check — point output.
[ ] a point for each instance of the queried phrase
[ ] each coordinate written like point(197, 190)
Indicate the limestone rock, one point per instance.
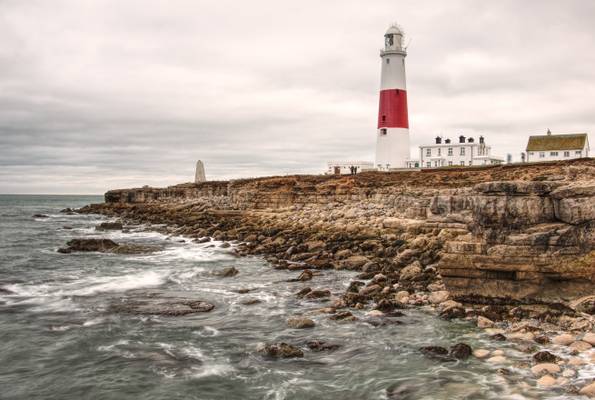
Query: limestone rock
point(580, 346)
point(483, 322)
point(564, 339)
point(589, 338)
point(549, 368)
point(438, 297)
point(411, 271)
point(588, 390)
point(481, 353)
point(546, 381)
point(281, 350)
point(300, 323)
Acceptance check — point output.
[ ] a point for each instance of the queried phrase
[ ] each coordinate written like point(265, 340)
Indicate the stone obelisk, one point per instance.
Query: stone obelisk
point(199, 176)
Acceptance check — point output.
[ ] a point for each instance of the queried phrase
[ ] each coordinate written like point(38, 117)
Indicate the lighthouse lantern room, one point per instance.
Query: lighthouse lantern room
point(392, 141)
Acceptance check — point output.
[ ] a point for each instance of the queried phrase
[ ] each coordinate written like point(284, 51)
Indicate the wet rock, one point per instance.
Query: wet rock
point(438, 297)
point(306, 275)
point(411, 272)
point(354, 286)
point(354, 262)
point(460, 351)
point(109, 226)
point(281, 350)
point(589, 338)
point(67, 210)
point(545, 357)
point(319, 345)
point(402, 391)
point(481, 353)
point(163, 307)
point(369, 290)
point(542, 339)
point(243, 291)
point(580, 346)
point(343, 316)
point(402, 296)
point(318, 294)
point(303, 292)
point(497, 360)
point(546, 381)
point(498, 337)
point(452, 313)
point(549, 368)
point(250, 302)
point(588, 390)
point(227, 272)
point(436, 352)
point(84, 245)
point(225, 245)
point(300, 323)
point(483, 322)
point(40, 216)
point(564, 339)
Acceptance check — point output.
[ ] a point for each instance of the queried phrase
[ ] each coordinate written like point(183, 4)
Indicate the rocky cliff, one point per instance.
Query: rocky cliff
point(515, 233)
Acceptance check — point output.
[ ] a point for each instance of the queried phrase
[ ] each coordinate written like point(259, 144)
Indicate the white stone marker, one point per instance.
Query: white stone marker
point(199, 176)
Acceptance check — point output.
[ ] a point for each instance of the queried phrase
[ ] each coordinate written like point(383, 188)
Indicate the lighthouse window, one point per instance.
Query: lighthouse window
point(388, 60)
point(383, 131)
point(383, 118)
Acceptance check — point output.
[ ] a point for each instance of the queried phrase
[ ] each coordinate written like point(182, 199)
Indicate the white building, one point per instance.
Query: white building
point(392, 134)
point(551, 147)
point(445, 153)
point(345, 167)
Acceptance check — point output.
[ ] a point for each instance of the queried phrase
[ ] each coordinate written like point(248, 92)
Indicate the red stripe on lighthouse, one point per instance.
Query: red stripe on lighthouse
point(393, 109)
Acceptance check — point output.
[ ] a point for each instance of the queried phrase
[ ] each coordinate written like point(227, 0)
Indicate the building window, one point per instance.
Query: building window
point(384, 118)
point(388, 60)
point(435, 163)
point(470, 162)
point(531, 153)
point(462, 163)
point(439, 151)
point(428, 152)
point(578, 153)
point(462, 151)
point(450, 151)
point(554, 153)
point(428, 164)
point(450, 163)
point(416, 165)
point(383, 131)
point(566, 154)
point(541, 154)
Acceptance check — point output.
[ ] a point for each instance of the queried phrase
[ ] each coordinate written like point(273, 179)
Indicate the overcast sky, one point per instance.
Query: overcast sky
point(118, 93)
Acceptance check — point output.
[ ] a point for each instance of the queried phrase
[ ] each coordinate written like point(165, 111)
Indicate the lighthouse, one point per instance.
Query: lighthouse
point(392, 136)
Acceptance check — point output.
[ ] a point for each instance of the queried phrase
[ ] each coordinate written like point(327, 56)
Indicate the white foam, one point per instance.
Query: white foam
point(121, 283)
point(212, 370)
point(207, 331)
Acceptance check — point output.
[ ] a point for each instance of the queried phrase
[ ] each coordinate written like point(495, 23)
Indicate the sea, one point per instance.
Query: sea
point(61, 339)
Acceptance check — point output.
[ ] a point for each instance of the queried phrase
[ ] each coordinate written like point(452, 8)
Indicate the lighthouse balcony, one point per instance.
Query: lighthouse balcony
point(384, 52)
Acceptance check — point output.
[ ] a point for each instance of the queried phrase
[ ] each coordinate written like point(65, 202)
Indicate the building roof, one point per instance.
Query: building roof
point(394, 29)
point(571, 141)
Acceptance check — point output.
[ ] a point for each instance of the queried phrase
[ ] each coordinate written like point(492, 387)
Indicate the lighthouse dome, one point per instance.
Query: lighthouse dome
point(394, 30)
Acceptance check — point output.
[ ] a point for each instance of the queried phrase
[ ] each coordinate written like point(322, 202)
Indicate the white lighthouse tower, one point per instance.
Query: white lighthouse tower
point(392, 141)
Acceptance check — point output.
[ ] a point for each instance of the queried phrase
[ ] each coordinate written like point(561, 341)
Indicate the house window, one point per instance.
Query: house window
point(554, 153)
point(428, 164)
point(462, 151)
point(578, 153)
point(450, 151)
point(435, 163)
point(531, 153)
point(541, 154)
point(428, 152)
point(566, 154)
point(383, 131)
point(470, 162)
point(450, 163)
point(462, 163)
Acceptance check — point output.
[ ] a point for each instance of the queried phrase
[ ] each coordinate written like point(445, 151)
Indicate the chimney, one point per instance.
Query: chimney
point(470, 140)
point(447, 141)
point(438, 140)
point(461, 139)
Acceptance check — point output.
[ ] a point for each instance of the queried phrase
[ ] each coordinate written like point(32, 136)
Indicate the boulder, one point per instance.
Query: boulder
point(545, 357)
point(411, 272)
point(564, 339)
point(483, 322)
point(318, 294)
point(580, 346)
point(546, 381)
point(589, 338)
point(40, 216)
point(89, 244)
point(549, 368)
point(460, 351)
point(438, 297)
point(300, 323)
point(228, 272)
point(588, 390)
point(163, 307)
point(497, 360)
point(319, 345)
point(343, 316)
point(281, 350)
point(354, 262)
point(402, 296)
point(481, 353)
point(109, 226)
point(306, 275)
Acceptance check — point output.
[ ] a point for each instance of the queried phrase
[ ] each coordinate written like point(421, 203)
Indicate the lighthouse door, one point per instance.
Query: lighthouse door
point(337, 170)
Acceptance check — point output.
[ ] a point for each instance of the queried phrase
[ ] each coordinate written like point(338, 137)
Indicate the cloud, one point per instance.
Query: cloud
point(102, 94)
